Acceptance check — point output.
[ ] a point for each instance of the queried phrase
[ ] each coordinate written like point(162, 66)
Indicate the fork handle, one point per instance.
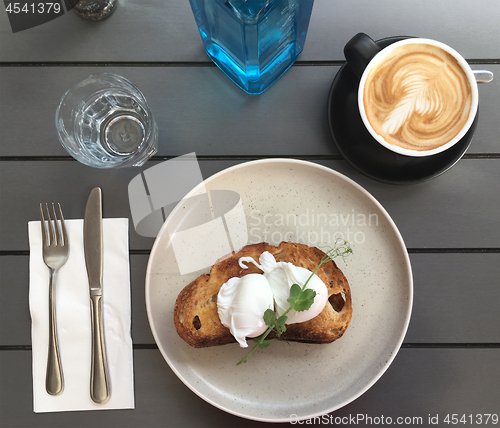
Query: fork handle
point(54, 381)
point(99, 377)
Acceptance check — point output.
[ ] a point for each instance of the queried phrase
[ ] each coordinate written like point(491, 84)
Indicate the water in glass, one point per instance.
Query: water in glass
point(105, 121)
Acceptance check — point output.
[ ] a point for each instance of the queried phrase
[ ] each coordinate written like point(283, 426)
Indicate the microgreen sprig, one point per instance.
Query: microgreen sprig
point(301, 299)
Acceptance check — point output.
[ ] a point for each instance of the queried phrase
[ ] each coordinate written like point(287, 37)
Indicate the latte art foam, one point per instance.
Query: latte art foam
point(418, 97)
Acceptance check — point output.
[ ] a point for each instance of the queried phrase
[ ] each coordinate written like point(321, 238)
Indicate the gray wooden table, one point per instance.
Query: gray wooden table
point(449, 362)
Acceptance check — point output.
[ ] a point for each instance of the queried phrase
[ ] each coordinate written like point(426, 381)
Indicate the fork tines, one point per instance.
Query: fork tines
point(53, 236)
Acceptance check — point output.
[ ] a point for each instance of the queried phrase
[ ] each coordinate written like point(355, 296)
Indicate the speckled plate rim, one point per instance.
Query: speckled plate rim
point(176, 368)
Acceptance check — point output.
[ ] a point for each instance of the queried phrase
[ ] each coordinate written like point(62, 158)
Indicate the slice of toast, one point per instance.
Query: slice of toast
point(195, 314)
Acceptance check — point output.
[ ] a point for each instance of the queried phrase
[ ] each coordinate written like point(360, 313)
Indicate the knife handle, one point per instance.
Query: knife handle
point(99, 377)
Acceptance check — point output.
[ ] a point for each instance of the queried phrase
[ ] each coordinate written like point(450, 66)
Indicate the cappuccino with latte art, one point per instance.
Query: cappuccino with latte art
point(418, 97)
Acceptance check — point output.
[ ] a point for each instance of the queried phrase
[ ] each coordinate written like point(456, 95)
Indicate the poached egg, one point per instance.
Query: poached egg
point(241, 302)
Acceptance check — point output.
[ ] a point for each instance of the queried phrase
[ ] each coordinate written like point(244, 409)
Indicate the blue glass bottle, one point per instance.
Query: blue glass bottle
point(253, 41)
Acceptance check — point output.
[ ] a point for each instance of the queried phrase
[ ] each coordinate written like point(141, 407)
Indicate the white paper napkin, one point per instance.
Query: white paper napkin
point(73, 319)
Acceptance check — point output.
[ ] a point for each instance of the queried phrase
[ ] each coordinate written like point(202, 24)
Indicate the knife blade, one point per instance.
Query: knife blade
point(92, 243)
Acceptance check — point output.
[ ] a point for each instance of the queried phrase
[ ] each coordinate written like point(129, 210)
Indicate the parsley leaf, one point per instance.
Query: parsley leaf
point(265, 343)
point(270, 318)
point(280, 325)
point(301, 300)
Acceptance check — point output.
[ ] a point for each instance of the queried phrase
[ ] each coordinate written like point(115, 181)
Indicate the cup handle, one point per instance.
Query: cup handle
point(359, 51)
point(483, 76)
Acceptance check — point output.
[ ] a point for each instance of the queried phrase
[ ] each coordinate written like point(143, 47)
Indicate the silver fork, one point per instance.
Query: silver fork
point(55, 254)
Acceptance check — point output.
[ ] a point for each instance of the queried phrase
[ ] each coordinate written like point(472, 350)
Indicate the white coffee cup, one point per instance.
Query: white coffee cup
point(403, 112)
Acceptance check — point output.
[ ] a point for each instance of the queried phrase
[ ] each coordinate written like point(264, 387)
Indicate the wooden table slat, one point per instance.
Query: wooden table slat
point(164, 31)
point(455, 210)
point(215, 119)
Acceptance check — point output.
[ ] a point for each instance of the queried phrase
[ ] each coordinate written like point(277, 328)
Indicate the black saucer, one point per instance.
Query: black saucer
point(358, 147)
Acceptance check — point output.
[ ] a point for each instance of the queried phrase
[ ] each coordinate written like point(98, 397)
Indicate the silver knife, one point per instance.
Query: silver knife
point(92, 243)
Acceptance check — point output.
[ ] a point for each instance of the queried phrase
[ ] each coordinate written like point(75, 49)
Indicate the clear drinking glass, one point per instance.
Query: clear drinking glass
point(253, 41)
point(105, 121)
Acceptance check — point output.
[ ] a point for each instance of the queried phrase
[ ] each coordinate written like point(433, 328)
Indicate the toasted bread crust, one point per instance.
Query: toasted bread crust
point(195, 314)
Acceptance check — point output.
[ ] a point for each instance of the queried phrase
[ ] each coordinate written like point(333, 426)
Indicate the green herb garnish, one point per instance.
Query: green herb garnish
point(301, 299)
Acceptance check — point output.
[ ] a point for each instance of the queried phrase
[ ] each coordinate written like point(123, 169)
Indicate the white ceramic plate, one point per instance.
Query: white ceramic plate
point(308, 203)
